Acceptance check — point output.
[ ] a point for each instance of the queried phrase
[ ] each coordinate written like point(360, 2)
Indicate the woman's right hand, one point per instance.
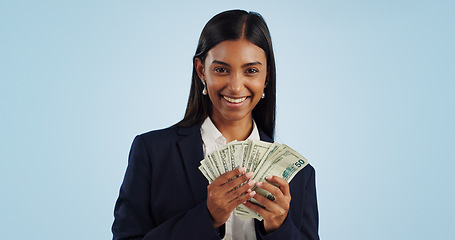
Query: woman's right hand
point(223, 196)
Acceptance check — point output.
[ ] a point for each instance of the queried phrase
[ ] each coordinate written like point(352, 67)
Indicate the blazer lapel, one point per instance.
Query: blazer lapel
point(264, 136)
point(190, 147)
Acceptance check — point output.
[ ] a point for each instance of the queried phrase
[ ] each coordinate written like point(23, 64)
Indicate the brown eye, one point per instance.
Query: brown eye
point(251, 70)
point(220, 70)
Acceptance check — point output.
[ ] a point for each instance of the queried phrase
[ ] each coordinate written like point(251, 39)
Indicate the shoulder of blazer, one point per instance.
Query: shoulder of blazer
point(185, 140)
point(171, 133)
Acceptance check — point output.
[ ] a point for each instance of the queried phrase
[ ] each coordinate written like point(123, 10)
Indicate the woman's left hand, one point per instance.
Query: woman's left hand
point(276, 211)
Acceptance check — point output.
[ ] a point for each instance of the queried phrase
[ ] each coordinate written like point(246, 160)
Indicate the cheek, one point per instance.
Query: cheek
point(212, 88)
point(260, 81)
point(214, 84)
point(258, 86)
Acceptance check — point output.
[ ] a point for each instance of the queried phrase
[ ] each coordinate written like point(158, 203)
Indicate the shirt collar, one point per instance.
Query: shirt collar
point(210, 133)
point(213, 139)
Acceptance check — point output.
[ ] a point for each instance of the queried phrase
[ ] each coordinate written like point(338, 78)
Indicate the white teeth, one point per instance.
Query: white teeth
point(234, 100)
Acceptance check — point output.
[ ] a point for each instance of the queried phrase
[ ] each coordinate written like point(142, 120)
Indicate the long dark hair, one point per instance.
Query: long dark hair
point(233, 25)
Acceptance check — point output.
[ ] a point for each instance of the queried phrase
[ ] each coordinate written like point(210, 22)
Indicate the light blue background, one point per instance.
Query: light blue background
point(365, 92)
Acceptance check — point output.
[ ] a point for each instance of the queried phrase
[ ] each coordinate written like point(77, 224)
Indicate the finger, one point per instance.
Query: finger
point(278, 196)
point(229, 186)
point(259, 209)
point(241, 190)
point(271, 206)
point(237, 181)
point(284, 185)
point(216, 187)
point(243, 199)
point(225, 177)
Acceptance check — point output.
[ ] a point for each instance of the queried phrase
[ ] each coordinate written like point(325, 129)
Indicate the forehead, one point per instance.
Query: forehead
point(236, 51)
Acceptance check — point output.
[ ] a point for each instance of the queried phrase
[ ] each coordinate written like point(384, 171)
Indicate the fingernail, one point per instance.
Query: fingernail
point(252, 193)
point(259, 184)
point(249, 174)
point(251, 183)
point(268, 177)
point(249, 190)
point(242, 169)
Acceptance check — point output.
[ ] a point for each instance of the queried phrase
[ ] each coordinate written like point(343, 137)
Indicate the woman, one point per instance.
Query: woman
point(232, 97)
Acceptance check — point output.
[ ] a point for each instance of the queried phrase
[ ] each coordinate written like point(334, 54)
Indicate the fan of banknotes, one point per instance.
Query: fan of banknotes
point(261, 158)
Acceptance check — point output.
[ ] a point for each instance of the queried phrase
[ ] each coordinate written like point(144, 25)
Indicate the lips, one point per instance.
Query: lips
point(235, 100)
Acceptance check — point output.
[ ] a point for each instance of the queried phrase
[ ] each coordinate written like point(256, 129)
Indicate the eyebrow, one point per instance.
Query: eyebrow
point(244, 65)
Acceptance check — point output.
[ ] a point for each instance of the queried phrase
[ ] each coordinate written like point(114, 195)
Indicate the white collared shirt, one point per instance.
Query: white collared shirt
point(212, 139)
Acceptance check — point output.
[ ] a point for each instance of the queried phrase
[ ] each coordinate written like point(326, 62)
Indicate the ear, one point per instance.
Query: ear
point(199, 66)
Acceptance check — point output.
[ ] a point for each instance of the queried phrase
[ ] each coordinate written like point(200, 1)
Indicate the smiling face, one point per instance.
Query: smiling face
point(235, 73)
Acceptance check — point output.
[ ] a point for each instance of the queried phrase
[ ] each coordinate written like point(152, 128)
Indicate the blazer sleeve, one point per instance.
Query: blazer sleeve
point(302, 220)
point(134, 218)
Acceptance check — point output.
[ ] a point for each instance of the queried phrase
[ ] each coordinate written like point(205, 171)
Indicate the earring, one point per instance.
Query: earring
point(204, 91)
point(263, 91)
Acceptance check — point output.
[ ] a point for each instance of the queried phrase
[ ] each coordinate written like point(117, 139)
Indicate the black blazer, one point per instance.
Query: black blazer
point(163, 195)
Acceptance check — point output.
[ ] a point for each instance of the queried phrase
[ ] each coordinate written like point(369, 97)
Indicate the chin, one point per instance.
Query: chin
point(236, 116)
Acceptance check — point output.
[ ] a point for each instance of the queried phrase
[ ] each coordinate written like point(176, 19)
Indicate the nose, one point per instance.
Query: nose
point(236, 83)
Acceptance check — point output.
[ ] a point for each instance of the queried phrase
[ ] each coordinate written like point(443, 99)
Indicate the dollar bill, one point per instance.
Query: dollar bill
point(245, 213)
point(208, 169)
point(245, 151)
point(235, 154)
point(257, 151)
point(222, 157)
point(214, 159)
point(285, 165)
point(206, 174)
point(262, 158)
point(267, 155)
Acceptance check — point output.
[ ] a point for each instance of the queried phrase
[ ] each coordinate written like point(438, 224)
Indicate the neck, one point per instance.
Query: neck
point(234, 130)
